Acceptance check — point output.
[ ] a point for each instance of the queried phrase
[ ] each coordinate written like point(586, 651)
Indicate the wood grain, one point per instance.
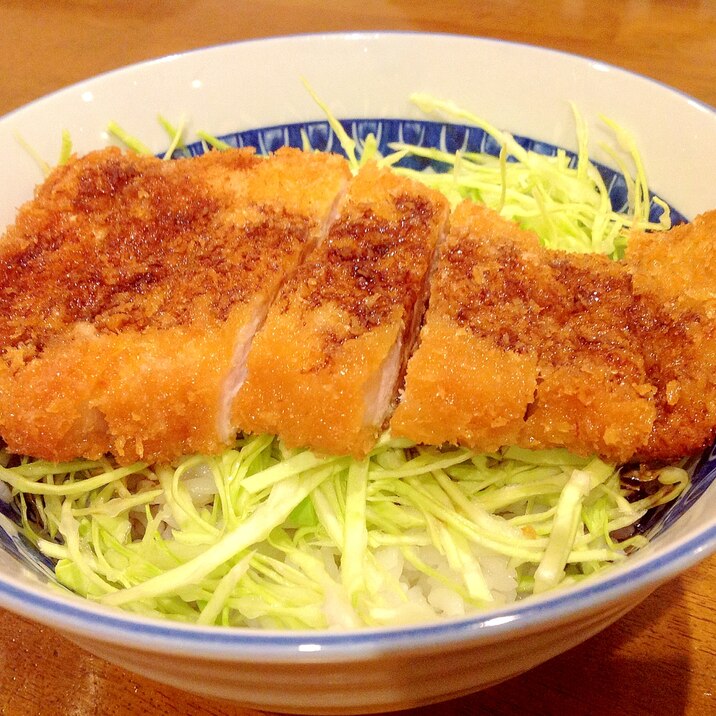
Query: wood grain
point(660, 658)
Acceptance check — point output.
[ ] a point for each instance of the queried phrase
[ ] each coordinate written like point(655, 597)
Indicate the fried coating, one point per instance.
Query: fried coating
point(541, 348)
point(593, 393)
point(130, 289)
point(677, 269)
point(679, 265)
point(474, 372)
point(324, 369)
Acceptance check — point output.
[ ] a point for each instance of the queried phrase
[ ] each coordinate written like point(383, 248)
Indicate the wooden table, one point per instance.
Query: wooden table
point(661, 658)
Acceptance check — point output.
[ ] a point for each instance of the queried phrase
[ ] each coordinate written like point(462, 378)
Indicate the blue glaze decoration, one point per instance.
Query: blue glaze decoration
point(447, 137)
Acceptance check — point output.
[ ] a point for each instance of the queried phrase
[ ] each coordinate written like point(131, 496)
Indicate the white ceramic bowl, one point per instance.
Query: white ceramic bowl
point(250, 85)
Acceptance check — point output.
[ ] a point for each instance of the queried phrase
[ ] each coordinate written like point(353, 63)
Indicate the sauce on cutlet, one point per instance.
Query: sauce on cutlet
point(366, 270)
point(676, 270)
point(133, 243)
point(602, 360)
point(322, 372)
point(131, 289)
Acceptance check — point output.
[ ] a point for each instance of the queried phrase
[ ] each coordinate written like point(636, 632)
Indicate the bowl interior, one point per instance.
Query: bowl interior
point(266, 106)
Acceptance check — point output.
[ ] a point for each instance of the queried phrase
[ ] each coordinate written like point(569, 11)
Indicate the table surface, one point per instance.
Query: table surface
point(660, 658)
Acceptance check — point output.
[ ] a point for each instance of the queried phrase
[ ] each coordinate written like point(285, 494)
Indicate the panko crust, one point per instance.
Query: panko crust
point(464, 390)
point(677, 270)
point(678, 266)
point(614, 368)
point(126, 285)
point(130, 290)
point(339, 326)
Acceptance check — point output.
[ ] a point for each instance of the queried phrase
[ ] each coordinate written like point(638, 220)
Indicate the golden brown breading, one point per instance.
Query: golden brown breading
point(679, 266)
point(593, 392)
point(323, 370)
point(474, 373)
point(677, 270)
point(130, 288)
point(546, 349)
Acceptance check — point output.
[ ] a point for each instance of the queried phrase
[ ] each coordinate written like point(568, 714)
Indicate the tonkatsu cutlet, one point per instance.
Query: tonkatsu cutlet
point(539, 348)
point(677, 269)
point(130, 289)
point(324, 370)
point(466, 384)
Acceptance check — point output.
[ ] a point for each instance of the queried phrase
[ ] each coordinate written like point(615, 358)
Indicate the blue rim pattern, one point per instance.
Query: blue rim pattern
point(245, 643)
point(446, 137)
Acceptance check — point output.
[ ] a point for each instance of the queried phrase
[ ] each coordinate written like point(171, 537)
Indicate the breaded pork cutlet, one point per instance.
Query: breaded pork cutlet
point(130, 289)
point(466, 384)
point(540, 348)
point(677, 269)
point(324, 369)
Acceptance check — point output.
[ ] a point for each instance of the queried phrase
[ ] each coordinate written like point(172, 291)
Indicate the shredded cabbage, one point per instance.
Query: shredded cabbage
point(564, 202)
point(264, 536)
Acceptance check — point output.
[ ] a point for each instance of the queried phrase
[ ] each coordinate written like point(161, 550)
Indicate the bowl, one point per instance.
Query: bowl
point(253, 92)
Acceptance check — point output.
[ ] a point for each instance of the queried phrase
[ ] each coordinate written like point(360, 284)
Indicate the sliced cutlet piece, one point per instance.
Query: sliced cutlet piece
point(324, 369)
point(130, 289)
point(678, 265)
point(475, 369)
point(677, 270)
point(594, 393)
point(525, 346)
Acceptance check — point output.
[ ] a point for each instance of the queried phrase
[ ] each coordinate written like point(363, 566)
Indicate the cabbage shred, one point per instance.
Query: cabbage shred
point(564, 201)
point(264, 536)
point(269, 537)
